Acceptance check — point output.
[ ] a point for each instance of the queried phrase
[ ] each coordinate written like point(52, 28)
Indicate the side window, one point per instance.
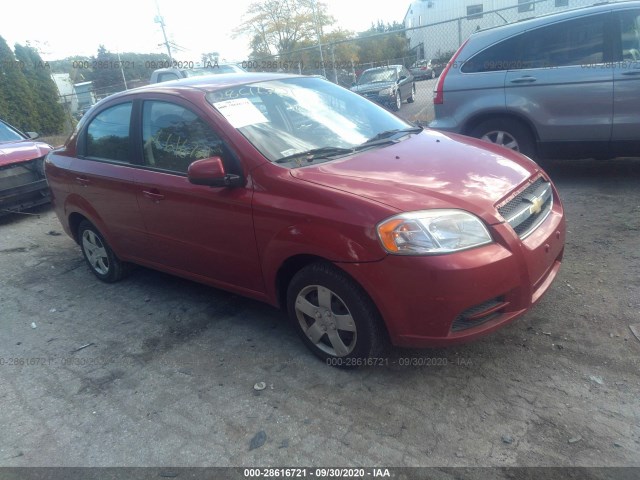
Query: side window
point(174, 137)
point(630, 30)
point(108, 134)
point(501, 56)
point(575, 42)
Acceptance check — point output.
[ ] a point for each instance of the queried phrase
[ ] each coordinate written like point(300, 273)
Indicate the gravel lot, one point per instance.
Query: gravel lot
point(159, 371)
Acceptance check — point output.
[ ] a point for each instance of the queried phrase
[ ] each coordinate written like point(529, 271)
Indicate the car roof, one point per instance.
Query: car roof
point(205, 83)
point(384, 67)
point(483, 38)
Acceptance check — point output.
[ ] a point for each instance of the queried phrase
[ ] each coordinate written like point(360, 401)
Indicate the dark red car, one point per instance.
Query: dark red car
point(299, 193)
point(22, 180)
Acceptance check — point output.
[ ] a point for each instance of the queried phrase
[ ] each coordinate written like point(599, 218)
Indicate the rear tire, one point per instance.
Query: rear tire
point(508, 133)
point(98, 254)
point(334, 317)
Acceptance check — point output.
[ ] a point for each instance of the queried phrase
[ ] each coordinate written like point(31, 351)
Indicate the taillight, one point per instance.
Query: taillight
point(438, 93)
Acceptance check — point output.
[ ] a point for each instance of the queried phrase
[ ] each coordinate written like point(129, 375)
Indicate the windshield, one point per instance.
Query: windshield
point(285, 118)
point(8, 134)
point(378, 75)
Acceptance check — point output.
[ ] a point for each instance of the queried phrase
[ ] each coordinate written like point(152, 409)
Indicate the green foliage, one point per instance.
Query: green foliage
point(383, 43)
point(17, 99)
point(50, 115)
point(281, 26)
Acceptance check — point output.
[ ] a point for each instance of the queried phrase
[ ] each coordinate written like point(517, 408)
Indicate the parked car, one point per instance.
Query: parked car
point(422, 70)
point(168, 74)
point(295, 191)
point(22, 180)
point(388, 86)
point(425, 69)
point(564, 85)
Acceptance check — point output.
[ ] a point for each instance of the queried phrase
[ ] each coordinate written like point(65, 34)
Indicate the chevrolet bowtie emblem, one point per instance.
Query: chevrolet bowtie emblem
point(536, 206)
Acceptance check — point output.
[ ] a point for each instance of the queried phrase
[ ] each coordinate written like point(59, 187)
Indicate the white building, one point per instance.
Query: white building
point(449, 22)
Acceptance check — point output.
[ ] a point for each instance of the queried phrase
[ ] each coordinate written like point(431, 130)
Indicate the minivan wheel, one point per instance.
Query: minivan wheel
point(508, 133)
point(398, 102)
point(412, 98)
point(334, 317)
point(98, 255)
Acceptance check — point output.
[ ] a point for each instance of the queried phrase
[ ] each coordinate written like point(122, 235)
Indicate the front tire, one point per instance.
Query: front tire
point(508, 133)
point(98, 254)
point(412, 98)
point(334, 317)
point(398, 102)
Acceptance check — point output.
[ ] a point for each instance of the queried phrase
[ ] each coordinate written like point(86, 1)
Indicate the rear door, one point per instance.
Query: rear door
point(103, 179)
point(563, 80)
point(626, 110)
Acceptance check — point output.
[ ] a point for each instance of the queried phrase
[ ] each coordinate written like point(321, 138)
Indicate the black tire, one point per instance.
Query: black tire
point(510, 133)
point(398, 103)
point(98, 254)
point(346, 333)
point(412, 98)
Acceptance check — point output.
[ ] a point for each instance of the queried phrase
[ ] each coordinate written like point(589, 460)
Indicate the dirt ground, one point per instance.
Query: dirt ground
point(159, 371)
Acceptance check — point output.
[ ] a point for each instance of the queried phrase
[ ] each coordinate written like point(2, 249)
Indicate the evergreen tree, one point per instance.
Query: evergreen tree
point(106, 76)
point(18, 97)
point(50, 115)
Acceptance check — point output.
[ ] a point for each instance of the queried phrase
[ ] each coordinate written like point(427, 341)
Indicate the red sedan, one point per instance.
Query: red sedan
point(299, 193)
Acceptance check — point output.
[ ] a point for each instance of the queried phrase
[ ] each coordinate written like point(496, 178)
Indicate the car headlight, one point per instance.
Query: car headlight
point(387, 91)
point(432, 232)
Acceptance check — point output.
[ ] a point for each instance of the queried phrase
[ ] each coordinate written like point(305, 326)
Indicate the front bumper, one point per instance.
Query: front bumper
point(23, 186)
point(432, 301)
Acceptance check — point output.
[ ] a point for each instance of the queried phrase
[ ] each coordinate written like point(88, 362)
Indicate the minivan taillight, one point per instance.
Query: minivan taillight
point(438, 93)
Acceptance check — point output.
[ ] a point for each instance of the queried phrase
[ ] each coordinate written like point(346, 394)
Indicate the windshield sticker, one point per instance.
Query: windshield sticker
point(240, 112)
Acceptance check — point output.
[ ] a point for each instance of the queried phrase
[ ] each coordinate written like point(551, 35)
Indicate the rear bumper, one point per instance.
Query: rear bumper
point(445, 300)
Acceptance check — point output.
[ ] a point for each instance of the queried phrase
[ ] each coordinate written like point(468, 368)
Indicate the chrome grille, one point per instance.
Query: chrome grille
point(527, 210)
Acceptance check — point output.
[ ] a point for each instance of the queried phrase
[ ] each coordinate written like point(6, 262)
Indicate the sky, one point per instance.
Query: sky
point(65, 28)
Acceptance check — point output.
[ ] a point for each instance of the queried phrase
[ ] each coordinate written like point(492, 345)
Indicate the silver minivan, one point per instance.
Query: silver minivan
point(564, 85)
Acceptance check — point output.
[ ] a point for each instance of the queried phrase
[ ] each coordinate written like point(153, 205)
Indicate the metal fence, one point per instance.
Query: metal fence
point(433, 31)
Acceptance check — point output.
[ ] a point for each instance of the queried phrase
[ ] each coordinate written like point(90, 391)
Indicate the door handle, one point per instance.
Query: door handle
point(632, 72)
point(84, 181)
point(524, 80)
point(156, 197)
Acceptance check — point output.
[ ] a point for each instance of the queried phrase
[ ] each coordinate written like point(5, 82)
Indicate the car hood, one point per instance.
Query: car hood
point(372, 87)
point(17, 152)
point(428, 170)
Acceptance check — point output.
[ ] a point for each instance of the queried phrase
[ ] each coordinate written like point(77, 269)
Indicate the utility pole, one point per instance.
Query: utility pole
point(314, 5)
point(158, 19)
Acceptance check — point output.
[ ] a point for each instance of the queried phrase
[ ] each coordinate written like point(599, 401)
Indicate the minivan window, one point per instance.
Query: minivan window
point(108, 134)
point(574, 42)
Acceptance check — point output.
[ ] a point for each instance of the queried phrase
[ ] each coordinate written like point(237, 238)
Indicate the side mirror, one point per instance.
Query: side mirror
point(402, 77)
point(32, 135)
point(210, 172)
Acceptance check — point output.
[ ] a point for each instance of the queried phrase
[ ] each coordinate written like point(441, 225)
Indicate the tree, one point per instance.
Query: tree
point(383, 43)
point(281, 26)
point(16, 97)
point(106, 74)
point(50, 115)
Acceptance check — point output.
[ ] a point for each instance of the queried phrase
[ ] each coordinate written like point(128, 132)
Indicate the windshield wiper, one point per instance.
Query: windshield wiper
point(384, 138)
point(391, 133)
point(314, 154)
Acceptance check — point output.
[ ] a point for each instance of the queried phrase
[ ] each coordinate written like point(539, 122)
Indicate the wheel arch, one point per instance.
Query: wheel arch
point(471, 123)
